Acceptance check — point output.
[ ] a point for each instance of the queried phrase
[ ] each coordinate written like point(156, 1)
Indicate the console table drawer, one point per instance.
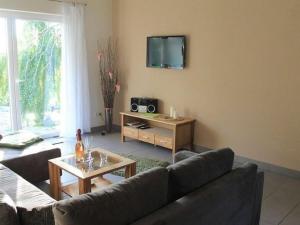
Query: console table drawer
point(131, 132)
point(166, 142)
point(146, 137)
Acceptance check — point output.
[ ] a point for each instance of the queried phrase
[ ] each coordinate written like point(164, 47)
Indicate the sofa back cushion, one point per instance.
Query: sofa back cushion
point(224, 201)
point(37, 216)
point(189, 174)
point(8, 211)
point(119, 204)
point(33, 167)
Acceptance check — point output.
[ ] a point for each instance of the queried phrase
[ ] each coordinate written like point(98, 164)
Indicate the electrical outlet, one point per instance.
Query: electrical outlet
point(101, 116)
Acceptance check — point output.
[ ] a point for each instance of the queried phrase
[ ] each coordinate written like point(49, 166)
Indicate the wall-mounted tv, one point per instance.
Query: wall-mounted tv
point(166, 52)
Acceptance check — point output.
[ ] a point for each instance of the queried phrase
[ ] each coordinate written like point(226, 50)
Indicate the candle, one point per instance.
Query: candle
point(171, 111)
point(174, 114)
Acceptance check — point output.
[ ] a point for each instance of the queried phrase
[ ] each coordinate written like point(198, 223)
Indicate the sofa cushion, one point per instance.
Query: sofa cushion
point(191, 173)
point(184, 154)
point(19, 140)
point(119, 204)
point(36, 216)
point(23, 193)
point(8, 211)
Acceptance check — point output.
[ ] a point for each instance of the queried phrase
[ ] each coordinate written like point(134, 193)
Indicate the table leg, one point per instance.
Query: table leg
point(192, 135)
point(130, 170)
point(175, 140)
point(84, 185)
point(55, 183)
point(122, 125)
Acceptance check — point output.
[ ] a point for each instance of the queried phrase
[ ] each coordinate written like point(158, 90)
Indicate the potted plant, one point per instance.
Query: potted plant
point(109, 74)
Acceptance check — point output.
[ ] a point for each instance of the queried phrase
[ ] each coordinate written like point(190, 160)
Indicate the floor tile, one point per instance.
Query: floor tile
point(262, 222)
point(291, 184)
point(293, 218)
point(273, 183)
point(279, 204)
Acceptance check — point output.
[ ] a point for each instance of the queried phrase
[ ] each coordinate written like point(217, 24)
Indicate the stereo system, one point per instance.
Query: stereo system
point(145, 105)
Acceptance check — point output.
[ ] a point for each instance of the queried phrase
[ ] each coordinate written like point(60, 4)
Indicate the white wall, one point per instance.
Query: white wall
point(98, 25)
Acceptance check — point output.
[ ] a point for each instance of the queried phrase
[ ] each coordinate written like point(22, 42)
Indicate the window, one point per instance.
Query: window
point(5, 117)
point(30, 72)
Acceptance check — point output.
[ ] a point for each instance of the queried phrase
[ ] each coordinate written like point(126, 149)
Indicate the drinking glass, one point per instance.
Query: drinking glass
point(103, 159)
point(87, 142)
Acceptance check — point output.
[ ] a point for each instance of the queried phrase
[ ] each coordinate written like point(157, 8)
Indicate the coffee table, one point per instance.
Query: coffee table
point(89, 173)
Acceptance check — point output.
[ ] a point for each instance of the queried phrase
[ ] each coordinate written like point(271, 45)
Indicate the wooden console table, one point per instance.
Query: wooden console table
point(172, 134)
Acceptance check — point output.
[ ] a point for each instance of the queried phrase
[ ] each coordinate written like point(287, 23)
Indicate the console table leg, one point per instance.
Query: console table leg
point(175, 140)
point(192, 135)
point(173, 151)
point(122, 125)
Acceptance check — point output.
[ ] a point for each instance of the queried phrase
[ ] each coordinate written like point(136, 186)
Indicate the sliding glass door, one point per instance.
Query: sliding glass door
point(31, 71)
point(5, 110)
point(39, 70)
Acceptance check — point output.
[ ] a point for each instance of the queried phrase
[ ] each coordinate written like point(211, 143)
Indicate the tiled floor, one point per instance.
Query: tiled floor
point(281, 199)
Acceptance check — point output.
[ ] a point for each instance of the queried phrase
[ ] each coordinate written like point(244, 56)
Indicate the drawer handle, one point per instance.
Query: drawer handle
point(145, 137)
point(163, 141)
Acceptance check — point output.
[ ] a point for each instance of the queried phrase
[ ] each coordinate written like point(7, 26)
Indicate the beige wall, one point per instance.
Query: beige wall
point(243, 76)
point(98, 25)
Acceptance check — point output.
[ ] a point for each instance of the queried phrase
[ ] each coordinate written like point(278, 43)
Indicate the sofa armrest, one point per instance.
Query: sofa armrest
point(8, 210)
point(258, 198)
point(33, 167)
point(179, 156)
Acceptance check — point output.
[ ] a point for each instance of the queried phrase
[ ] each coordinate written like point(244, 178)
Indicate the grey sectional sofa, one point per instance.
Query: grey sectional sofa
point(21, 202)
point(197, 189)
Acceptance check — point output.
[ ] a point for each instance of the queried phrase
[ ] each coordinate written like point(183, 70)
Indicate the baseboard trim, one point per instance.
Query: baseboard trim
point(115, 128)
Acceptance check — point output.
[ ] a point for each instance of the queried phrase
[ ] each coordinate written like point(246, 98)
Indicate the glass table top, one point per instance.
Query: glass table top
point(97, 163)
point(92, 162)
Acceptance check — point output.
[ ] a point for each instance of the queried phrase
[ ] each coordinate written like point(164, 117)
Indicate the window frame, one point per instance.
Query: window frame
point(13, 74)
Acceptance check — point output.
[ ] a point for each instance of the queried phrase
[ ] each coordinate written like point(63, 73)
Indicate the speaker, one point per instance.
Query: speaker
point(134, 105)
point(145, 105)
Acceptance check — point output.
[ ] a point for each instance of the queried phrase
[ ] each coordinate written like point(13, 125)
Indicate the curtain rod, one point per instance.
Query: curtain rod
point(69, 1)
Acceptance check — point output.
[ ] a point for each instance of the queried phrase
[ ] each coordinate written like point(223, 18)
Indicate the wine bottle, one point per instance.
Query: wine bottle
point(79, 147)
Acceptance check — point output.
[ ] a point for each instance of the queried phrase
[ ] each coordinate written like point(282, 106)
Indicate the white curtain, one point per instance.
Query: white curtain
point(75, 84)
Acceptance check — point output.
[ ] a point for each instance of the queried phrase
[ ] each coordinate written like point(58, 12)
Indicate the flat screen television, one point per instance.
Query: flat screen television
point(166, 52)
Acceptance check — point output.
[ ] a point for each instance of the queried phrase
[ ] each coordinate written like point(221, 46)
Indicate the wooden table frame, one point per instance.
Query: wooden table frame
point(84, 179)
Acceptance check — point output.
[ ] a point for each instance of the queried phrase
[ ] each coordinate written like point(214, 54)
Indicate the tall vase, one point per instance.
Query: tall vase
point(108, 119)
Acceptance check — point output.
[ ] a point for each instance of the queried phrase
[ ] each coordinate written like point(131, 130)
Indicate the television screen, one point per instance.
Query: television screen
point(166, 52)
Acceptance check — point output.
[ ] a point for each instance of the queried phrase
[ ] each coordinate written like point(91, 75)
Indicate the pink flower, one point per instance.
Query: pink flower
point(99, 56)
point(118, 88)
point(110, 74)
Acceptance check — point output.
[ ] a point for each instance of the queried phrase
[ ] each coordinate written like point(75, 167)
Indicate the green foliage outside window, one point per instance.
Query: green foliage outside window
point(4, 95)
point(39, 70)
